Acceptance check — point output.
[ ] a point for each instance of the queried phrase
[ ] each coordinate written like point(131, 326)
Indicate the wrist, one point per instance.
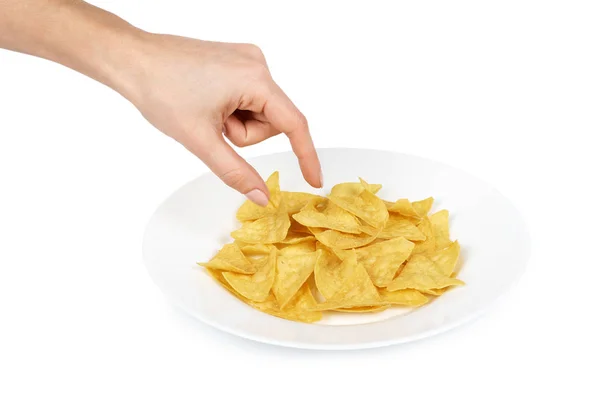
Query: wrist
point(122, 66)
point(95, 43)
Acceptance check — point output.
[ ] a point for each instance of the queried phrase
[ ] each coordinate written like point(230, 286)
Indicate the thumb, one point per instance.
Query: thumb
point(210, 147)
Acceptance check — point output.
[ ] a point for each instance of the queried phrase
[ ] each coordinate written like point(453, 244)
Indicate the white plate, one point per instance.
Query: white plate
point(193, 223)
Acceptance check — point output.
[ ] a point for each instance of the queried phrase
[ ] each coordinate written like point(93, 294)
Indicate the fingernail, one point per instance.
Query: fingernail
point(257, 197)
point(321, 179)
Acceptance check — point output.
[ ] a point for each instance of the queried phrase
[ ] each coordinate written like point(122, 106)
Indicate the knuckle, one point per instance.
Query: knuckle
point(251, 51)
point(254, 50)
point(302, 121)
point(233, 178)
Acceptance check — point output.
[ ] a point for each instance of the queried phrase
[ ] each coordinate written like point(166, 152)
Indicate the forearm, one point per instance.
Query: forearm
point(75, 34)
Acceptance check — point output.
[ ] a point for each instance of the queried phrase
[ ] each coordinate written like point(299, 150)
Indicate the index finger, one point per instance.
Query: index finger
point(281, 112)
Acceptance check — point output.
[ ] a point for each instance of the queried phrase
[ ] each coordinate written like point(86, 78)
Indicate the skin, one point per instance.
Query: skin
point(200, 93)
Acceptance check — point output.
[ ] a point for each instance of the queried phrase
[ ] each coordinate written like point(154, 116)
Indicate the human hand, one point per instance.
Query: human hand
point(197, 92)
point(194, 91)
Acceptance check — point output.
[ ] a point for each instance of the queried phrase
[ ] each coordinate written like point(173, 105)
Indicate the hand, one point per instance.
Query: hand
point(194, 91)
point(199, 92)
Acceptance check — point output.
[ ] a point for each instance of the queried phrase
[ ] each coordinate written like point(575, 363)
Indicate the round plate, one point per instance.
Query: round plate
point(192, 224)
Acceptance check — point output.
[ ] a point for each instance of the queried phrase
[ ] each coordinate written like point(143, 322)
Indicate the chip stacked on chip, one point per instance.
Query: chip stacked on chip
point(351, 251)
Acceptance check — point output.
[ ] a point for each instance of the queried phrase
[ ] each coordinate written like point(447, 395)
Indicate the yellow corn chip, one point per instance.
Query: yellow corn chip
point(368, 229)
point(267, 230)
point(363, 309)
point(399, 226)
point(422, 207)
point(403, 297)
point(301, 305)
point(295, 201)
point(447, 258)
point(300, 308)
point(257, 286)
point(339, 240)
point(230, 258)
point(402, 207)
point(295, 227)
point(366, 206)
point(296, 238)
point(382, 260)
point(347, 306)
point(421, 274)
point(292, 272)
point(440, 230)
point(305, 247)
point(250, 211)
point(434, 291)
point(341, 254)
point(217, 275)
point(428, 245)
point(253, 249)
point(321, 246)
point(326, 274)
point(330, 216)
point(352, 189)
point(344, 281)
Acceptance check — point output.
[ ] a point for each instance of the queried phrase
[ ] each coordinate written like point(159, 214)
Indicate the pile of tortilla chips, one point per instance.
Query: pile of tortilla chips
point(351, 251)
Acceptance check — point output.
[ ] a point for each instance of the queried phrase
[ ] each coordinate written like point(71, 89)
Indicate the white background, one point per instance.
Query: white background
point(508, 91)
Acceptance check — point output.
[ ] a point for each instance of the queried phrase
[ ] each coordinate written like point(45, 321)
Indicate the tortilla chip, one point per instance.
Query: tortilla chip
point(403, 207)
point(423, 207)
point(339, 240)
point(250, 211)
point(403, 297)
point(447, 258)
point(295, 227)
point(382, 260)
point(217, 275)
point(363, 309)
point(295, 201)
point(421, 274)
point(400, 226)
point(296, 238)
point(253, 249)
point(257, 286)
point(366, 206)
point(300, 308)
point(352, 189)
point(305, 247)
point(329, 216)
point(292, 272)
point(267, 230)
point(440, 229)
point(428, 245)
point(344, 281)
point(434, 291)
point(230, 258)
